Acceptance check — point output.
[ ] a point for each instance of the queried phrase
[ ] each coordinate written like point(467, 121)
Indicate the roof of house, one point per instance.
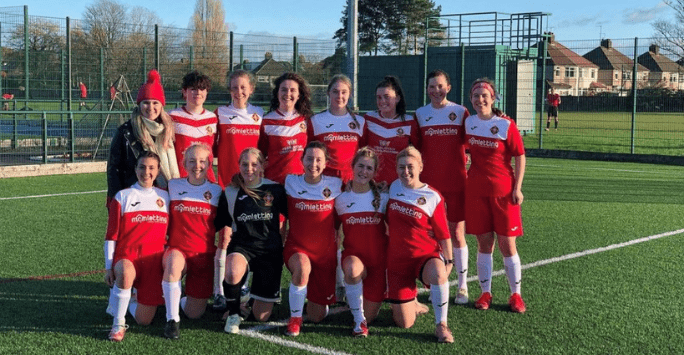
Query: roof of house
point(556, 85)
point(597, 85)
point(657, 62)
point(271, 67)
point(561, 55)
point(609, 58)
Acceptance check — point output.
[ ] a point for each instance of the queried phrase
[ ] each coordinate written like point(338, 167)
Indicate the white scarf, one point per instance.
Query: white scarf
point(167, 156)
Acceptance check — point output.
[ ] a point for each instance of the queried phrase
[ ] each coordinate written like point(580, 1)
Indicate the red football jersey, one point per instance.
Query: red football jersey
point(193, 210)
point(442, 147)
point(363, 226)
point(342, 136)
point(138, 220)
point(388, 137)
point(237, 129)
point(194, 128)
point(492, 143)
point(282, 140)
point(411, 214)
point(311, 214)
point(553, 99)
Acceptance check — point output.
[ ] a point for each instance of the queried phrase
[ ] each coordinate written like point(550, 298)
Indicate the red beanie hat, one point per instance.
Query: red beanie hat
point(152, 89)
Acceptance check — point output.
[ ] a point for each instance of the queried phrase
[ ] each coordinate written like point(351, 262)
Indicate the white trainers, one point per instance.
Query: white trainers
point(461, 297)
point(232, 324)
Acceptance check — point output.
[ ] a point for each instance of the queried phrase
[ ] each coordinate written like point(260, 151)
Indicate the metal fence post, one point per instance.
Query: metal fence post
point(634, 95)
point(72, 138)
point(45, 135)
point(15, 131)
point(156, 48)
point(1, 57)
point(545, 39)
point(144, 64)
point(242, 57)
point(192, 58)
point(294, 54)
point(463, 95)
point(26, 54)
point(69, 72)
point(62, 94)
point(230, 52)
point(102, 74)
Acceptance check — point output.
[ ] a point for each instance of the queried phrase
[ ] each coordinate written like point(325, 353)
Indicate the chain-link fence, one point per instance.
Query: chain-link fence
point(607, 102)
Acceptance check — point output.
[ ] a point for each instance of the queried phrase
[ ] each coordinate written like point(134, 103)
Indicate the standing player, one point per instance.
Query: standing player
point(419, 245)
point(310, 245)
point(442, 147)
point(361, 210)
point(251, 210)
point(339, 129)
point(494, 191)
point(553, 100)
point(190, 248)
point(193, 123)
point(134, 245)
point(389, 129)
point(83, 93)
point(283, 130)
point(239, 124)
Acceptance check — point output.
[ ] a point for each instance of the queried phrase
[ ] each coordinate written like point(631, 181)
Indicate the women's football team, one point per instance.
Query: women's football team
point(371, 203)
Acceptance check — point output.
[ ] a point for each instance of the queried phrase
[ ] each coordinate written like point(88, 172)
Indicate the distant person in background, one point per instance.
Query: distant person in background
point(149, 129)
point(494, 191)
point(6, 97)
point(112, 92)
point(553, 100)
point(84, 94)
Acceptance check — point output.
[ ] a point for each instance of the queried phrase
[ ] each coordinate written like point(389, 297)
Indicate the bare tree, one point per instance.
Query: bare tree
point(210, 40)
point(670, 35)
point(105, 21)
point(45, 45)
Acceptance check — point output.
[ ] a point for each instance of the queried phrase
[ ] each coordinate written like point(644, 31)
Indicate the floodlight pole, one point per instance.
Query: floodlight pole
point(353, 49)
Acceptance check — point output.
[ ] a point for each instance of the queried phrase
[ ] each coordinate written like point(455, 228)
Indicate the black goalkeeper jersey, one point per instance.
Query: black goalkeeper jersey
point(255, 222)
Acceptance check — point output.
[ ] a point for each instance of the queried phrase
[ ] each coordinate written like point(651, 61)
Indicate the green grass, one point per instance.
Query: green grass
point(622, 301)
point(610, 132)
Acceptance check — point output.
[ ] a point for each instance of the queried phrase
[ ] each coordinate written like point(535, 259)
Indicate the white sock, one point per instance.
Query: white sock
point(183, 302)
point(172, 295)
point(297, 298)
point(340, 274)
point(133, 306)
point(461, 265)
point(355, 301)
point(485, 263)
point(219, 274)
point(120, 301)
point(513, 272)
point(440, 301)
point(110, 303)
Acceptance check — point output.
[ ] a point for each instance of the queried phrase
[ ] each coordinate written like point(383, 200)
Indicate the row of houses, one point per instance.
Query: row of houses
point(606, 69)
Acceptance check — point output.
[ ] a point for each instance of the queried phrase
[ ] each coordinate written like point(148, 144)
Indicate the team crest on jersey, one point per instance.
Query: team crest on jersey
point(400, 131)
point(207, 195)
point(452, 116)
point(210, 130)
point(494, 130)
point(302, 127)
point(268, 199)
point(160, 202)
point(421, 201)
point(352, 125)
point(327, 192)
point(255, 117)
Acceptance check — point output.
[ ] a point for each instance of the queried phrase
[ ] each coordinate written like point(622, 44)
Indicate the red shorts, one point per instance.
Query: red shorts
point(455, 205)
point(401, 281)
point(497, 214)
point(199, 274)
point(149, 273)
point(375, 283)
point(321, 286)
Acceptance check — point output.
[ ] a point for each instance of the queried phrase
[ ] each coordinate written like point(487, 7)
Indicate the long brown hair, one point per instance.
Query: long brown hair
point(367, 152)
point(303, 104)
point(238, 181)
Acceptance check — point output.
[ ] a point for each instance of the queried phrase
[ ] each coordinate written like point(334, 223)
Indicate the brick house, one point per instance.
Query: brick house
point(664, 72)
point(568, 72)
point(615, 68)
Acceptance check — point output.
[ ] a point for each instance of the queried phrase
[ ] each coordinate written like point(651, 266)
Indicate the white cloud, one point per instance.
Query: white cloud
point(635, 16)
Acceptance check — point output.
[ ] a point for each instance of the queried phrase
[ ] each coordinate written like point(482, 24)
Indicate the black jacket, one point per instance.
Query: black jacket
point(123, 154)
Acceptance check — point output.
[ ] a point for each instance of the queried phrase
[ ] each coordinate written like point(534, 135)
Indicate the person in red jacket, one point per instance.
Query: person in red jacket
point(84, 94)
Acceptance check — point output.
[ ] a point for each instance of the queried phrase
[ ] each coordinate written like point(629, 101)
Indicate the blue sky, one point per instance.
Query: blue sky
point(569, 20)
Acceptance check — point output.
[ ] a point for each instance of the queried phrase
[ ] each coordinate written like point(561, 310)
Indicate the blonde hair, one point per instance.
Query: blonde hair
point(238, 181)
point(341, 78)
point(410, 151)
point(194, 147)
point(168, 135)
point(367, 152)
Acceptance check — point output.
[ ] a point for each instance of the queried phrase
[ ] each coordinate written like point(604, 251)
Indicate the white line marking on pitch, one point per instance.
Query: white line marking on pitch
point(254, 331)
point(52, 195)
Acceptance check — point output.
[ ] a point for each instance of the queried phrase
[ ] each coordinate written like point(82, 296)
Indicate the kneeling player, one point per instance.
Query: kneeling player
point(134, 245)
point(194, 201)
